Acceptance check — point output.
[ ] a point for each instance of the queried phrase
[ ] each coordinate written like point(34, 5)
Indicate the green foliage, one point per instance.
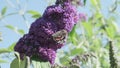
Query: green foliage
point(17, 63)
point(2, 61)
point(34, 14)
point(76, 51)
point(7, 50)
point(88, 28)
point(95, 3)
point(38, 64)
point(2, 13)
point(18, 31)
point(11, 47)
point(4, 10)
point(72, 36)
point(64, 60)
point(93, 40)
point(4, 50)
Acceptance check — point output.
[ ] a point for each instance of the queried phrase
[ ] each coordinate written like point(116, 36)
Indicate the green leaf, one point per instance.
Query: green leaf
point(19, 31)
point(77, 51)
point(73, 36)
point(96, 45)
point(11, 47)
point(34, 14)
point(95, 2)
point(25, 63)
point(39, 64)
point(36, 64)
point(65, 60)
point(15, 63)
point(3, 10)
point(4, 50)
point(45, 65)
point(10, 27)
point(7, 50)
point(2, 61)
point(98, 15)
point(88, 27)
point(111, 30)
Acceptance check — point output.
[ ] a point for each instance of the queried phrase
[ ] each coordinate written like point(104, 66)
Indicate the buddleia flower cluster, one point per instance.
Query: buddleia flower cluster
point(39, 40)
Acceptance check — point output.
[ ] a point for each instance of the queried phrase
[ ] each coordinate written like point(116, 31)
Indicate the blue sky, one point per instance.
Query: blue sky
point(16, 20)
point(10, 36)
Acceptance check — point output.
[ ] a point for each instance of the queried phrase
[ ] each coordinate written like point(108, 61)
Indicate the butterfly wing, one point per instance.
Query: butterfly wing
point(60, 36)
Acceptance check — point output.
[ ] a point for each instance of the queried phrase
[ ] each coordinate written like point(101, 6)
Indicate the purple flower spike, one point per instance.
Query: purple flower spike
point(45, 34)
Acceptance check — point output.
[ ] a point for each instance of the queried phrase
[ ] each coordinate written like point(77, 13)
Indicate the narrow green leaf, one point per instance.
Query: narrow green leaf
point(2, 61)
point(18, 31)
point(21, 31)
point(3, 10)
point(95, 3)
point(4, 50)
point(73, 36)
point(111, 30)
point(34, 14)
point(10, 27)
point(77, 51)
point(11, 47)
point(89, 29)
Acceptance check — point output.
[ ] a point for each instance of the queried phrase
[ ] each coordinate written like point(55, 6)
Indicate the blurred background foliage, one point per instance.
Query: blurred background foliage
point(93, 43)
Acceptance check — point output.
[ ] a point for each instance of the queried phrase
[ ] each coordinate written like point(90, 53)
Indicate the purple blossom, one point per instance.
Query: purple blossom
point(82, 17)
point(39, 40)
point(64, 16)
point(47, 54)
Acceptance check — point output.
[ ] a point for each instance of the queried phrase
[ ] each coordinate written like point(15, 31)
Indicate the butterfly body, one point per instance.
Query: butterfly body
point(60, 36)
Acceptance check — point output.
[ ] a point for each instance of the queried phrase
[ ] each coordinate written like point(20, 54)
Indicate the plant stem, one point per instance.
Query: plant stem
point(113, 63)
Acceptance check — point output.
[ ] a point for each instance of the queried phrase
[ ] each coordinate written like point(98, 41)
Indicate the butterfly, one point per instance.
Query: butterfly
point(60, 36)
